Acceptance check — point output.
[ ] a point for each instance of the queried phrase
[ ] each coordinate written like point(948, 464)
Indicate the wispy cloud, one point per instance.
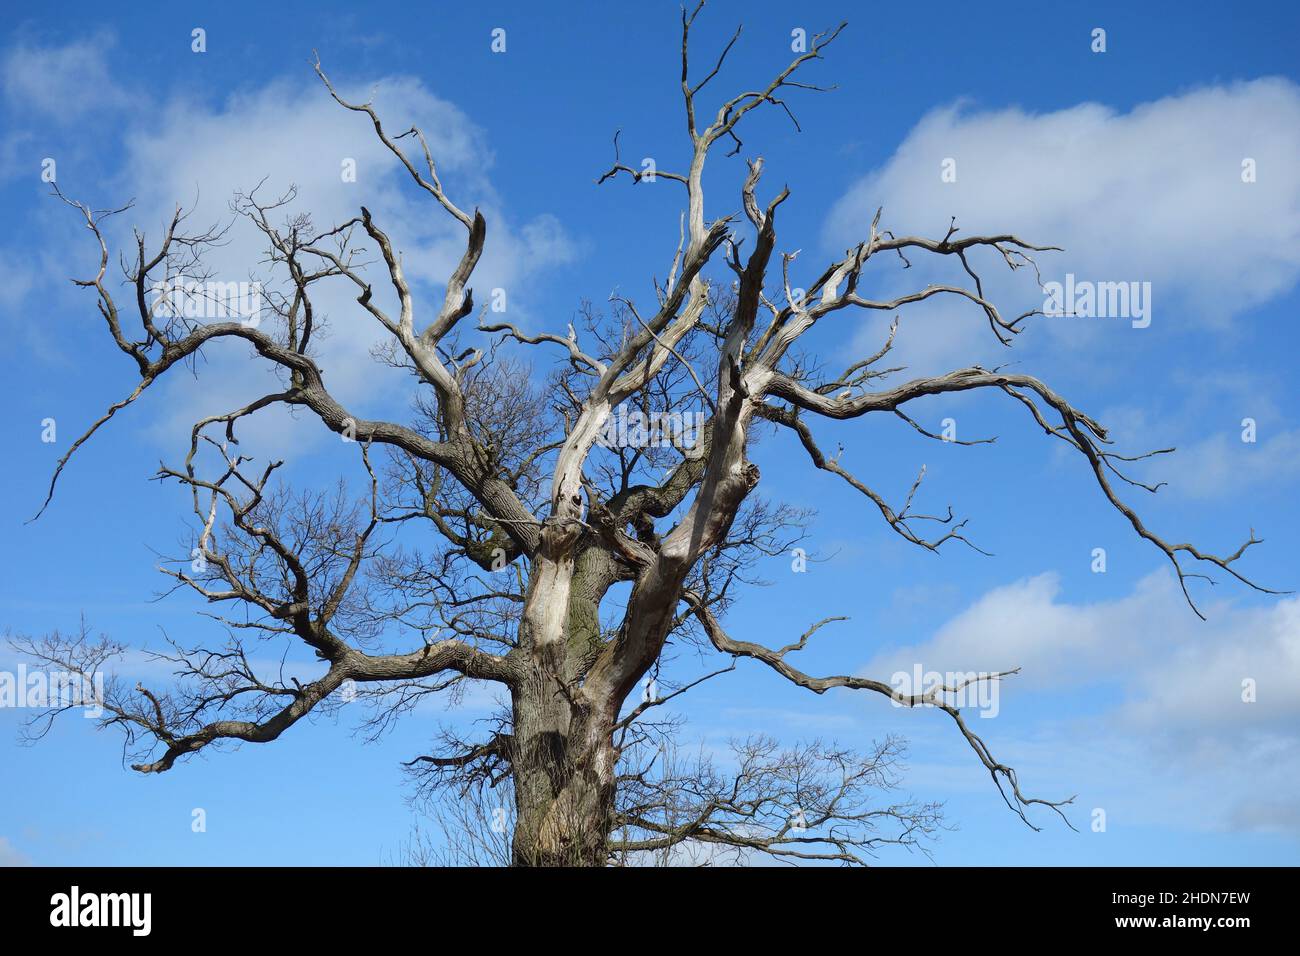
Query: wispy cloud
point(62, 83)
point(1225, 465)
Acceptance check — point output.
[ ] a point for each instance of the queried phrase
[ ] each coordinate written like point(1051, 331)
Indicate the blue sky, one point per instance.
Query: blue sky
point(1131, 159)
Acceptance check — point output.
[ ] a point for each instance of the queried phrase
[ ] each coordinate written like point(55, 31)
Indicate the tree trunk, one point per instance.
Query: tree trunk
point(562, 754)
point(562, 764)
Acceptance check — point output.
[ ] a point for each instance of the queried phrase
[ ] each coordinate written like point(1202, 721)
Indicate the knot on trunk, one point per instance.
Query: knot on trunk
point(558, 537)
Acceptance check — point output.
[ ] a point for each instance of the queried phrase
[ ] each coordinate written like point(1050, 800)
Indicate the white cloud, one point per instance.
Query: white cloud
point(1154, 194)
point(1168, 713)
point(1173, 666)
point(58, 90)
point(293, 134)
point(1025, 625)
point(1223, 464)
point(62, 83)
point(1173, 742)
point(286, 133)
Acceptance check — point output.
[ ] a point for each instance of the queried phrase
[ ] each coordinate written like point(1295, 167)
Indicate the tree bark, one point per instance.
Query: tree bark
point(562, 762)
point(562, 755)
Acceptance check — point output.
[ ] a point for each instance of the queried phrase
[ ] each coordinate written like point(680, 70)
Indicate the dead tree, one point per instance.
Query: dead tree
point(535, 521)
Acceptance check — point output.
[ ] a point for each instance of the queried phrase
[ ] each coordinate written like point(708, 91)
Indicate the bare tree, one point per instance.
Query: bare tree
point(503, 538)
